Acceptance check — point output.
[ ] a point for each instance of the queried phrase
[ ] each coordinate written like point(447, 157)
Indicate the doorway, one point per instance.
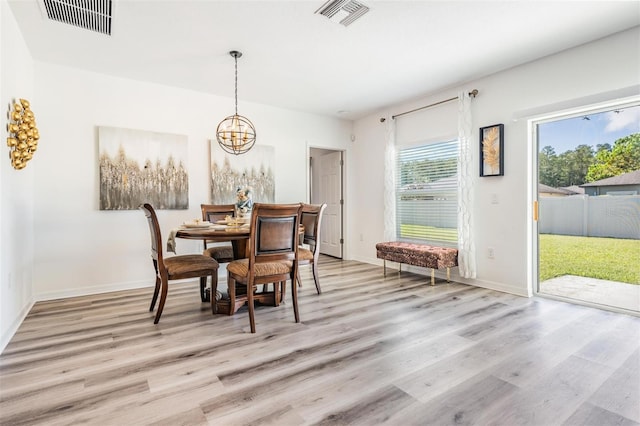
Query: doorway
point(326, 186)
point(587, 232)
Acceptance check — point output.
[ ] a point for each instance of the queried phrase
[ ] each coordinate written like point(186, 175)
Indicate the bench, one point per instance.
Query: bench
point(418, 255)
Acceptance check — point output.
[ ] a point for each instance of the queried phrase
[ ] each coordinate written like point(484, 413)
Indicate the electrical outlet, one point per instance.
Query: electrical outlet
point(491, 253)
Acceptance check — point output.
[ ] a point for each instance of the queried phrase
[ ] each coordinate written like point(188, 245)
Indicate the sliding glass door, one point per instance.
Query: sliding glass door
point(588, 206)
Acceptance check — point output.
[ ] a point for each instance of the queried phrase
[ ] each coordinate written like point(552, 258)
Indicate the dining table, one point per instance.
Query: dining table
point(237, 233)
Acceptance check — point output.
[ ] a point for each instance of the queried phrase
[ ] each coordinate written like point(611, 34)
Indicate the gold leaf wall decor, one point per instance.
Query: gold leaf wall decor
point(491, 150)
point(23, 134)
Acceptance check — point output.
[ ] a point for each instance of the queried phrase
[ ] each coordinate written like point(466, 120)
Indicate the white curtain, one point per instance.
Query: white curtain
point(390, 180)
point(466, 245)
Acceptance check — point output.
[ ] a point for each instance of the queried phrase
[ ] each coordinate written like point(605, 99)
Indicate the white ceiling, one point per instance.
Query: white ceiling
point(296, 59)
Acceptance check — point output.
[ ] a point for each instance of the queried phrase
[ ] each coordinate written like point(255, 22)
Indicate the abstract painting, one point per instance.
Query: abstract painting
point(138, 166)
point(252, 170)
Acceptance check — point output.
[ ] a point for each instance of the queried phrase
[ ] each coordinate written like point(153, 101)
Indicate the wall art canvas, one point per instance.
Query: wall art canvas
point(138, 166)
point(252, 171)
point(492, 150)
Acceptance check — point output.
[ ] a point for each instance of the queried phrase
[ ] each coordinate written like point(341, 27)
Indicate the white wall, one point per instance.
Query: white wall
point(16, 186)
point(601, 70)
point(80, 249)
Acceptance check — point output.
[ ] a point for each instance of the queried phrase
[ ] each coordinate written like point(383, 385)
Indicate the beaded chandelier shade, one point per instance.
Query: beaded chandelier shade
point(236, 134)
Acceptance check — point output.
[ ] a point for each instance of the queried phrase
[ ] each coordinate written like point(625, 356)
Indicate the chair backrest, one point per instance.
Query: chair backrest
point(274, 232)
point(311, 219)
point(154, 228)
point(215, 212)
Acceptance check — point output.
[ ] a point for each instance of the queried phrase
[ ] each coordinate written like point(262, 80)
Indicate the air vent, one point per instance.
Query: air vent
point(344, 12)
point(94, 15)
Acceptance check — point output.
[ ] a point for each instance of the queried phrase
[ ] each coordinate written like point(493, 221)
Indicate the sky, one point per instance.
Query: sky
point(605, 127)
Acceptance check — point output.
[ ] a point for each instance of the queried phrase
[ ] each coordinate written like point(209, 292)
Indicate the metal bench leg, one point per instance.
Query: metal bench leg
point(433, 276)
point(384, 266)
point(399, 268)
point(448, 275)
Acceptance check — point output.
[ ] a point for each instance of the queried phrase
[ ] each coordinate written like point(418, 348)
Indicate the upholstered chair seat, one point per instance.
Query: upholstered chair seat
point(261, 270)
point(305, 254)
point(222, 254)
point(195, 264)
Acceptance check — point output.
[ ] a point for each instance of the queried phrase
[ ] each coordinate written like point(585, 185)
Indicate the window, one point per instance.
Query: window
point(427, 194)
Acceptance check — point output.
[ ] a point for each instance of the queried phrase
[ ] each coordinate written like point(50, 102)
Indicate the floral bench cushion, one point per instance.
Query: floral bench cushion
point(418, 254)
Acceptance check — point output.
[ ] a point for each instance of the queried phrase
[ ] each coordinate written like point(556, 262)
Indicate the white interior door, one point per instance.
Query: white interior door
point(330, 192)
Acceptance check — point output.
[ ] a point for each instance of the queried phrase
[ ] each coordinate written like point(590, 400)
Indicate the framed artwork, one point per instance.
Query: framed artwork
point(251, 172)
point(138, 166)
point(492, 150)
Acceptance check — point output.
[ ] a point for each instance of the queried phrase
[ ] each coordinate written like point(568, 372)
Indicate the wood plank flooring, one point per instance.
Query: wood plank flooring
point(370, 350)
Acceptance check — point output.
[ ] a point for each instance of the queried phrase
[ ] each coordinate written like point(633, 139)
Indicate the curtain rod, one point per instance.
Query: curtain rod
point(472, 93)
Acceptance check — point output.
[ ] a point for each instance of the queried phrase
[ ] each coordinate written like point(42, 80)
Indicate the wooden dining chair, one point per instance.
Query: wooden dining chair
point(311, 219)
point(175, 267)
point(221, 252)
point(273, 254)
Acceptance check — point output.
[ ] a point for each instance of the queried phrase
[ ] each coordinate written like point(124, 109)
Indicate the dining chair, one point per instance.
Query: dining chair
point(311, 219)
point(175, 267)
point(273, 255)
point(221, 252)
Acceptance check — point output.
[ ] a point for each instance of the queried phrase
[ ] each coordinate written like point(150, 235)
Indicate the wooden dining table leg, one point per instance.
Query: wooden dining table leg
point(214, 291)
point(240, 248)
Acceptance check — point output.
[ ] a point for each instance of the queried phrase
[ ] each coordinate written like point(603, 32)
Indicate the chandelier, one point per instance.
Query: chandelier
point(236, 134)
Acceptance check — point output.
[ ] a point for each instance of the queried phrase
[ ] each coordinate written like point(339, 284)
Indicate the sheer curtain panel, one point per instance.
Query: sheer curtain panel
point(466, 245)
point(389, 181)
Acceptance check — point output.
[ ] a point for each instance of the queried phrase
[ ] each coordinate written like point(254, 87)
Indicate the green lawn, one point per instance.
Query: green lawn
point(429, 232)
point(610, 259)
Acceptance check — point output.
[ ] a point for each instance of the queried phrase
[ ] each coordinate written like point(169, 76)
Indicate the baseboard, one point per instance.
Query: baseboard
point(87, 291)
point(442, 274)
point(107, 288)
point(6, 338)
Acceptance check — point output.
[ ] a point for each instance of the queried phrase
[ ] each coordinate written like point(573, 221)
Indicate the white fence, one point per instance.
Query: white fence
point(582, 215)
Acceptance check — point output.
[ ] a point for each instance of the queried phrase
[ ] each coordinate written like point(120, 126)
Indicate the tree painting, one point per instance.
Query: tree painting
point(253, 170)
point(138, 167)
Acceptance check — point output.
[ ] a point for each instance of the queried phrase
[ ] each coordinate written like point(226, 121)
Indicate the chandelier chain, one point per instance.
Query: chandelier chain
point(236, 134)
point(236, 93)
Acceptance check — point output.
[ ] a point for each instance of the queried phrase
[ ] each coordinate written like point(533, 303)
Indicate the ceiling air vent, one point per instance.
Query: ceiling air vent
point(94, 15)
point(344, 12)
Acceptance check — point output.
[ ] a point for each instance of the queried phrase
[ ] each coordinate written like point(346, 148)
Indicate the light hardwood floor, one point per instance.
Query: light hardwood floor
point(369, 350)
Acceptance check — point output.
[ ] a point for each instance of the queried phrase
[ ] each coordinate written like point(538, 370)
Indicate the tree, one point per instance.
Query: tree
point(576, 165)
point(624, 157)
point(548, 167)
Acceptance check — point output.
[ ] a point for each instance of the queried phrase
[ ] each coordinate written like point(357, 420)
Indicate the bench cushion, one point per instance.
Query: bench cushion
point(418, 254)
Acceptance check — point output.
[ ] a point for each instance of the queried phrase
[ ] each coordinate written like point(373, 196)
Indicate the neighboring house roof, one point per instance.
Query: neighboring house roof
point(631, 178)
point(546, 189)
point(444, 183)
point(574, 188)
